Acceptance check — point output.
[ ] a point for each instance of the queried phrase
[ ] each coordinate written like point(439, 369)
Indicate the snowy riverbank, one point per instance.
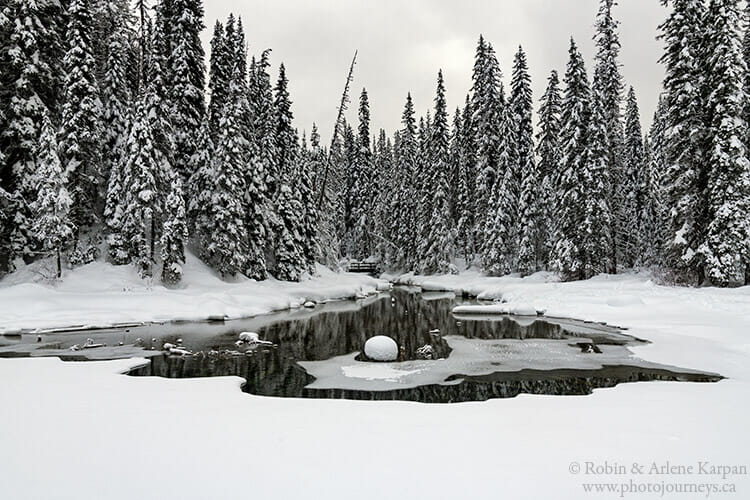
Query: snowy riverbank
point(82, 430)
point(100, 294)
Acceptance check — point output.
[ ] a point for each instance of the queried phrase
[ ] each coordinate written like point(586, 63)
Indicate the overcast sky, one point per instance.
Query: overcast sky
point(403, 43)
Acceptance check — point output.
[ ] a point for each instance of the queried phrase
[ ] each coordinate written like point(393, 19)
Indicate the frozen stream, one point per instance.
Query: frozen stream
point(315, 352)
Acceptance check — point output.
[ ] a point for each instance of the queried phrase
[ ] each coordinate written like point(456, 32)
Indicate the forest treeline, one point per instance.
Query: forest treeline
point(120, 139)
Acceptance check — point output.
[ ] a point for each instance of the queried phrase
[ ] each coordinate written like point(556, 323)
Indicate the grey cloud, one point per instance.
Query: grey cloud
point(402, 44)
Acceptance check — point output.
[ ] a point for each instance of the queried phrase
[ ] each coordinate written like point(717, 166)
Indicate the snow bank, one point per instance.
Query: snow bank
point(100, 294)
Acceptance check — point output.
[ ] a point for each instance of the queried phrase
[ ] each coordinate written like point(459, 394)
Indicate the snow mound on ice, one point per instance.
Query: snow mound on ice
point(381, 348)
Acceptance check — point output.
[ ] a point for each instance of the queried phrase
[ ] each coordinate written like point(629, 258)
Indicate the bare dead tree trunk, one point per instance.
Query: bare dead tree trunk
point(337, 129)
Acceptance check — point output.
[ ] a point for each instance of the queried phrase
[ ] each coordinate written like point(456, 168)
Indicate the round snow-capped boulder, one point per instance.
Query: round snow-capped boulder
point(523, 310)
point(309, 304)
point(381, 348)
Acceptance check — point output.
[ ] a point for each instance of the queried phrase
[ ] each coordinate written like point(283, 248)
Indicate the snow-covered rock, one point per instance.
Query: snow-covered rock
point(249, 337)
point(523, 310)
point(309, 304)
point(180, 351)
point(381, 348)
point(425, 352)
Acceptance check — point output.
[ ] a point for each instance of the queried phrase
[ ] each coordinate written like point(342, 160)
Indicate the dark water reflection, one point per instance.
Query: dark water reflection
point(413, 322)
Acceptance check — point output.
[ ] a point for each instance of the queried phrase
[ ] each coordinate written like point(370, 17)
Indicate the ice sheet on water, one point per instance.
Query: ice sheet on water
point(469, 357)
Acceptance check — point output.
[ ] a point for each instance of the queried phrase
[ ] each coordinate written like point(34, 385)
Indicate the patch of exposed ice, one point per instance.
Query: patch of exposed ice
point(372, 371)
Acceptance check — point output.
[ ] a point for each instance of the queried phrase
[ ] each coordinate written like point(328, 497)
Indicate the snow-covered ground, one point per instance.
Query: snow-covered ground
point(100, 294)
point(82, 430)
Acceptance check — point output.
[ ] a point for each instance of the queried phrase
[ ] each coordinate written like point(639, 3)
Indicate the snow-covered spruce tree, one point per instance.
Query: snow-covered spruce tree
point(218, 78)
point(186, 87)
point(239, 47)
point(686, 175)
point(286, 137)
point(351, 193)
point(362, 186)
point(174, 233)
point(7, 211)
point(256, 203)
point(726, 251)
point(633, 183)
point(263, 124)
point(746, 57)
point(456, 179)
point(116, 94)
point(200, 187)
point(598, 253)
point(113, 19)
point(317, 152)
point(30, 83)
point(237, 52)
point(80, 129)
point(262, 168)
point(521, 104)
point(487, 109)
point(226, 246)
point(290, 259)
point(405, 204)
point(310, 218)
point(117, 102)
point(650, 236)
point(499, 250)
point(157, 99)
point(160, 125)
point(51, 225)
point(117, 251)
point(654, 217)
point(348, 162)
point(31, 50)
point(254, 198)
point(467, 184)
point(568, 255)
point(141, 196)
point(439, 246)
point(383, 219)
point(548, 151)
point(608, 85)
point(423, 190)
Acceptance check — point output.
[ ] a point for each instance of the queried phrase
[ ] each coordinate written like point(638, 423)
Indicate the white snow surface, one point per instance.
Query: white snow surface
point(100, 294)
point(381, 348)
point(83, 430)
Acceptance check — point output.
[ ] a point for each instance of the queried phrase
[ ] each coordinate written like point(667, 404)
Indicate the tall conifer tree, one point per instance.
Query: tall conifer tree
point(548, 151)
point(80, 131)
point(568, 256)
